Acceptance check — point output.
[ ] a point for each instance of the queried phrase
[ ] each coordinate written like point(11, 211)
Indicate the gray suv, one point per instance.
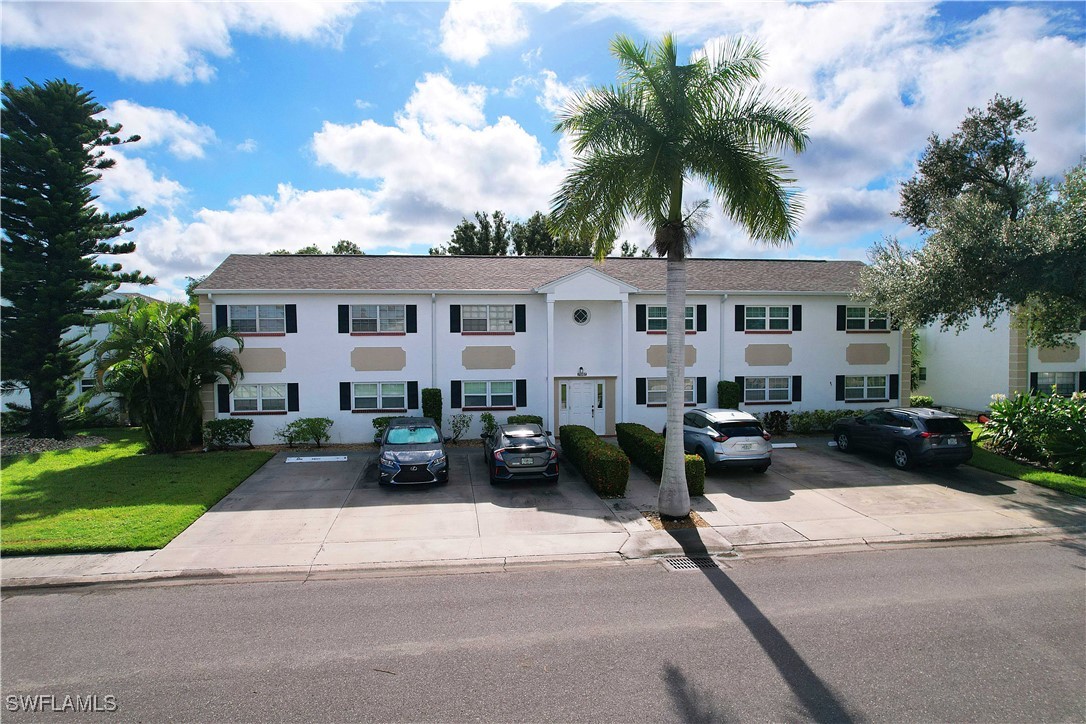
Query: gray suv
point(910, 435)
point(727, 438)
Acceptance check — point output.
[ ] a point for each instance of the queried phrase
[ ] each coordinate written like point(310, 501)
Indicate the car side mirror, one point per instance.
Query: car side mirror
point(547, 432)
point(482, 435)
point(448, 439)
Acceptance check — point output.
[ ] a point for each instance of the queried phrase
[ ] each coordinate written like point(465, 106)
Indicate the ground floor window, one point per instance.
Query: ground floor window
point(380, 396)
point(260, 398)
point(1064, 382)
point(865, 387)
point(656, 390)
point(767, 389)
point(494, 393)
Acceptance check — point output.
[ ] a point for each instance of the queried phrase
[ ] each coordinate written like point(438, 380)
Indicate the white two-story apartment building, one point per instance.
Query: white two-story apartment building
point(575, 342)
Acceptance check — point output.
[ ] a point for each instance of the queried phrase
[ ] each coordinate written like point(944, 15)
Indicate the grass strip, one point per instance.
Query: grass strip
point(985, 459)
point(111, 497)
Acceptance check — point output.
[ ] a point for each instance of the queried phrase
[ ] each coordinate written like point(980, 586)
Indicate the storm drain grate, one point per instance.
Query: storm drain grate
point(690, 563)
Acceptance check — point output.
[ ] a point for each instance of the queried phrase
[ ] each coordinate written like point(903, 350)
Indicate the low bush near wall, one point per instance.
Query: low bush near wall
point(727, 394)
point(776, 422)
point(490, 425)
point(809, 421)
point(305, 429)
point(645, 448)
point(1047, 430)
point(605, 467)
point(459, 424)
point(379, 425)
point(431, 404)
point(921, 401)
point(221, 434)
point(525, 420)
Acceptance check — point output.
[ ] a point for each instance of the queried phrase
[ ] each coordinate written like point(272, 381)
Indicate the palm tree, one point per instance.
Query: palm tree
point(158, 356)
point(637, 144)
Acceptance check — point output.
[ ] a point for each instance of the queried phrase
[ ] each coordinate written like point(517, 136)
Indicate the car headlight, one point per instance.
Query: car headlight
point(387, 459)
point(438, 462)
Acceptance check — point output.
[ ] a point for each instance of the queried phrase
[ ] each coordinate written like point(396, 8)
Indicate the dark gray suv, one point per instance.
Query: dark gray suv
point(413, 453)
point(910, 435)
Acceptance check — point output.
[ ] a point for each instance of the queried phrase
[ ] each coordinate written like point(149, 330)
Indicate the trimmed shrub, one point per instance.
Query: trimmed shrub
point(604, 466)
point(1048, 430)
point(776, 422)
point(727, 394)
point(305, 429)
point(645, 448)
point(431, 404)
point(459, 424)
point(921, 401)
point(524, 420)
point(221, 434)
point(803, 423)
point(490, 425)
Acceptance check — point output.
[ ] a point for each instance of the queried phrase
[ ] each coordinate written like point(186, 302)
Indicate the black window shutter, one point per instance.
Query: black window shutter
point(454, 395)
point(1033, 382)
point(520, 318)
point(840, 385)
point(292, 397)
point(641, 394)
point(292, 318)
point(702, 395)
point(412, 318)
point(454, 318)
point(224, 398)
point(1082, 381)
point(344, 318)
point(895, 387)
point(522, 393)
point(221, 320)
point(345, 395)
point(639, 314)
point(797, 317)
point(702, 312)
point(412, 395)
point(797, 388)
point(742, 382)
point(840, 319)
point(740, 317)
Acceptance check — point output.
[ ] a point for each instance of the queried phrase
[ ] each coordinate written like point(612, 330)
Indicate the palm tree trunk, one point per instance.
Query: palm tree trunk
point(674, 498)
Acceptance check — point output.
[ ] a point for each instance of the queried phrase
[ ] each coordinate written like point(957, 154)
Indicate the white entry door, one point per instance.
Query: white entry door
point(584, 404)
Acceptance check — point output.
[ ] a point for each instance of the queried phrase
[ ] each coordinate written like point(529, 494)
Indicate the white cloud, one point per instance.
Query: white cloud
point(183, 138)
point(249, 145)
point(159, 40)
point(469, 30)
point(554, 93)
point(131, 182)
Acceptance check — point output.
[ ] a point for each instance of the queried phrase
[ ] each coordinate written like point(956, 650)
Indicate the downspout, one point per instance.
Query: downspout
point(721, 350)
point(433, 339)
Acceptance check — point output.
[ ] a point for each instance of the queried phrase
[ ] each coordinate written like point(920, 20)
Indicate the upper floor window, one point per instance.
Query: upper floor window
point(258, 318)
point(380, 396)
point(486, 317)
point(391, 318)
point(260, 398)
point(498, 393)
point(865, 319)
point(769, 319)
point(657, 318)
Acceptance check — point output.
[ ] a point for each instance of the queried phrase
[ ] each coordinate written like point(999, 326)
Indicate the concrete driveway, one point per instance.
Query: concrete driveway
point(329, 515)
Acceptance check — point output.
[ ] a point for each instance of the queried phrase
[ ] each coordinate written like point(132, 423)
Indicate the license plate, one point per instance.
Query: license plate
point(952, 441)
point(527, 461)
point(746, 447)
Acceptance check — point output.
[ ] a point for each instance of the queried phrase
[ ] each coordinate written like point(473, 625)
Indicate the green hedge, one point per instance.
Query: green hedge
point(524, 420)
point(605, 467)
point(221, 434)
point(645, 448)
point(727, 395)
point(431, 404)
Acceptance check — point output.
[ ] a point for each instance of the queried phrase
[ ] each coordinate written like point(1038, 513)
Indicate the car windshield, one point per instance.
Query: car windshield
point(738, 429)
point(412, 436)
point(945, 426)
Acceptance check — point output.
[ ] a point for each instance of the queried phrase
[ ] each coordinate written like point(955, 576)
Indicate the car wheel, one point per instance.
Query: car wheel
point(760, 468)
point(903, 459)
point(843, 443)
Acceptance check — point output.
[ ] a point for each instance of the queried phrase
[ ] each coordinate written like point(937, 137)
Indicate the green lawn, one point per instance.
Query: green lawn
point(987, 460)
point(110, 497)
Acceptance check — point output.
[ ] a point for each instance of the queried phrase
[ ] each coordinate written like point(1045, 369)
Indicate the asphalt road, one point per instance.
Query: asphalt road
point(980, 633)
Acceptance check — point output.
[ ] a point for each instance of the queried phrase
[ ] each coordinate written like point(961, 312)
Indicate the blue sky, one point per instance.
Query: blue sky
point(272, 125)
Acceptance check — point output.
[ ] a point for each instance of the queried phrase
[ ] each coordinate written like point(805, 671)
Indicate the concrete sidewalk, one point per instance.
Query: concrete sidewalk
point(322, 519)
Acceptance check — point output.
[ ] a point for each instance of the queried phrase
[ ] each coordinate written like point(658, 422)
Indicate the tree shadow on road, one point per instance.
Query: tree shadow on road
point(817, 699)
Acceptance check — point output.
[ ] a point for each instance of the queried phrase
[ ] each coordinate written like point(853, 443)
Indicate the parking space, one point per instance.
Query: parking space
point(334, 514)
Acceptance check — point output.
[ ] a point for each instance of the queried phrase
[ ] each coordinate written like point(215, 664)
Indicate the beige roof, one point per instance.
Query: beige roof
point(517, 273)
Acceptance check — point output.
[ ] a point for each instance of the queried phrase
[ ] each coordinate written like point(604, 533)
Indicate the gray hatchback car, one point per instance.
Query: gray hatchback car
point(727, 438)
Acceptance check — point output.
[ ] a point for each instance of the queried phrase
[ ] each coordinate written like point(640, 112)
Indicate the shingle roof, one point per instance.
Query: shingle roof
point(518, 273)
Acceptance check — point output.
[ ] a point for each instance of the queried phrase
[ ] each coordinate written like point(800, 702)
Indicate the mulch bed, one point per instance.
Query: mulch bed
point(693, 521)
point(32, 445)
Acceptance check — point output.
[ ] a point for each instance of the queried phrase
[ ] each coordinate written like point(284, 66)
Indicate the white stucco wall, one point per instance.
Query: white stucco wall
point(964, 369)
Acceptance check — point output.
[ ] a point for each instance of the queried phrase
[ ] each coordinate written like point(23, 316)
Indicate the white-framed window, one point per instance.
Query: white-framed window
point(380, 395)
point(581, 316)
point(87, 384)
point(1064, 381)
point(260, 398)
point(866, 387)
point(772, 319)
point(656, 319)
point(486, 318)
point(378, 318)
point(656, 391)
point(491, 393)
point(865, 319)
point(255, 318)
point(767, 389)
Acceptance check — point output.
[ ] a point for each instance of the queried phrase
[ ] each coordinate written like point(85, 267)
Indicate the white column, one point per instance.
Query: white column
point(553, 425)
